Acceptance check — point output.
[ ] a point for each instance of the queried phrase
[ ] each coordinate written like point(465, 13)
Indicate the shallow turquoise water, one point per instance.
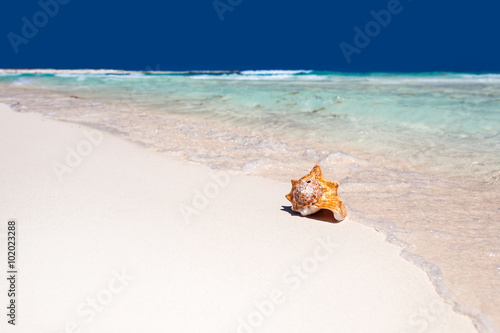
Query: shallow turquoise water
point(403, 116)
point(455, 105)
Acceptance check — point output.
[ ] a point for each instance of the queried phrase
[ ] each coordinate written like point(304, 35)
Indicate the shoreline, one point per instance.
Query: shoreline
point(282, 246)
point(351, 152)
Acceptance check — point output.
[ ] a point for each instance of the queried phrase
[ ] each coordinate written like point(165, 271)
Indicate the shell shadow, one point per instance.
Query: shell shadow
point(323, 215)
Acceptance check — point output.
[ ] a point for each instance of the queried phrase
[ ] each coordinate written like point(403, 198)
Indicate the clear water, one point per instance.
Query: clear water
point(417, 156)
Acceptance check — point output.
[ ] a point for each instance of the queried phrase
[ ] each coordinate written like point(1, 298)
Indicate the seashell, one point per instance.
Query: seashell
point(312, 193)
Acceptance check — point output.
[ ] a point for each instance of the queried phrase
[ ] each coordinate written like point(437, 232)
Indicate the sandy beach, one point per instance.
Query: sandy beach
point(115, 238)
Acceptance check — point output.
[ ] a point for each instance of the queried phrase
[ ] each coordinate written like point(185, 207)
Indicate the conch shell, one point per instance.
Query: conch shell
point(312, 192)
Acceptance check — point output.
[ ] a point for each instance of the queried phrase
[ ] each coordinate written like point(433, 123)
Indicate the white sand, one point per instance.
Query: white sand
point(241, 264)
